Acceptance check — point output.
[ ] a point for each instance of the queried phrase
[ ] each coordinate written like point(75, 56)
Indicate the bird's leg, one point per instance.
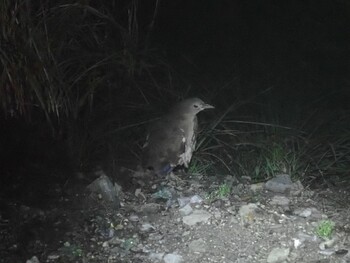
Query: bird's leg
point(176, 179)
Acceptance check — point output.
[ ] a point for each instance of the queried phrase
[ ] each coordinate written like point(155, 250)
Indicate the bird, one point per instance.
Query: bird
point(171, 139)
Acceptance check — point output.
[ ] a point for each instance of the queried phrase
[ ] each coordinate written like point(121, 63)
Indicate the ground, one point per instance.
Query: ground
point(247, 224)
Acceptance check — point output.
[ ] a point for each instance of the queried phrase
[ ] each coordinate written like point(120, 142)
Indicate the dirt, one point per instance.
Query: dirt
point(72, 226)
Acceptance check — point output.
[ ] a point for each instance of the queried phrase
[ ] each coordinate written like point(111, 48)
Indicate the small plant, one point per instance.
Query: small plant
point(325, 229)
point(275, 159)
point(223, 191)
point(198, 167)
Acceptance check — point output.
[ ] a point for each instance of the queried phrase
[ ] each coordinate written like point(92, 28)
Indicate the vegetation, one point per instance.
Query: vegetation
point(200, 166)
point(86, 73)
point(325, 229)
point(83, 72)
point(263, 149)
point(223, 191)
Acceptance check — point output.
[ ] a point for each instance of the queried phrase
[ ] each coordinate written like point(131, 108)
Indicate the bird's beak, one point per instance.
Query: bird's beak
point(208, 106)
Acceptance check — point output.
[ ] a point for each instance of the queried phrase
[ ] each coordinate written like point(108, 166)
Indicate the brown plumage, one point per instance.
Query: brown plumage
point(172, 139)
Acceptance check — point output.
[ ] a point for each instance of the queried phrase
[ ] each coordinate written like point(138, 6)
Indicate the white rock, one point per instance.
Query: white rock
point(303, 212)
point(134, 218)
point(327, 252)
point(146, 227)
point(172, 258)
point(186, 210)
point(156, 256)
point(297, 242)
point(278, 255)
point(183, 201)
point(197, 216)
point(196, 199)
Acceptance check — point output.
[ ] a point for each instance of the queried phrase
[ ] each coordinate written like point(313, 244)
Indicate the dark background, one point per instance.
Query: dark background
point(82, 80)
point(301, 48)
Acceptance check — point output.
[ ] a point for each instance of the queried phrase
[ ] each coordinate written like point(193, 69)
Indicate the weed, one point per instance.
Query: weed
point(275, 159)
point(223, 191)
point(325, 229)
point(200, 167)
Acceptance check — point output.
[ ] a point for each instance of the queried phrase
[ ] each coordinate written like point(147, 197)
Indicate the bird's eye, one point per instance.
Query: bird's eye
point(195, 106)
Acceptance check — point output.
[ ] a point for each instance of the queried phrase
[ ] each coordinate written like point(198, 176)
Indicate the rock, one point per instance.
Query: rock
point(34, 259)
point(146, 227)
point(183, 201)
point(172, 258)
point(134, 218)
point(298, 243)
point(305, 237)
point(256, 187)
point(309, 212)
point(196, 199)
point(327, 252)
point(301, 238)
point(198, 245)
point(156, 256)
point(186, 210)
point(248, 212)
point(279, 184)
point(278, 255)
point(106, 191)
point(280, 200)
point(197, 216)
point(303, 212)
point(283, 184)
point(327, 244)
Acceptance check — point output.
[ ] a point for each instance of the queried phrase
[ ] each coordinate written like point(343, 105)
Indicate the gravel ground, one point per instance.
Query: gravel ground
point(250, 224)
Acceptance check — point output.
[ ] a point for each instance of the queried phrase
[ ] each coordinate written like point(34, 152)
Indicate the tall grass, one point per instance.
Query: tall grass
point(85, 68)
point(316, 147)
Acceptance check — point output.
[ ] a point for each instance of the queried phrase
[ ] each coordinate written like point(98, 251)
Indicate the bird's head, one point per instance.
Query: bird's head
point(193, 106)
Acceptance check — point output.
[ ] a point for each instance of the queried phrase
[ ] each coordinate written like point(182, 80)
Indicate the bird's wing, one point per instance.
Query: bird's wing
point(165, 144)
point(190, 127)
